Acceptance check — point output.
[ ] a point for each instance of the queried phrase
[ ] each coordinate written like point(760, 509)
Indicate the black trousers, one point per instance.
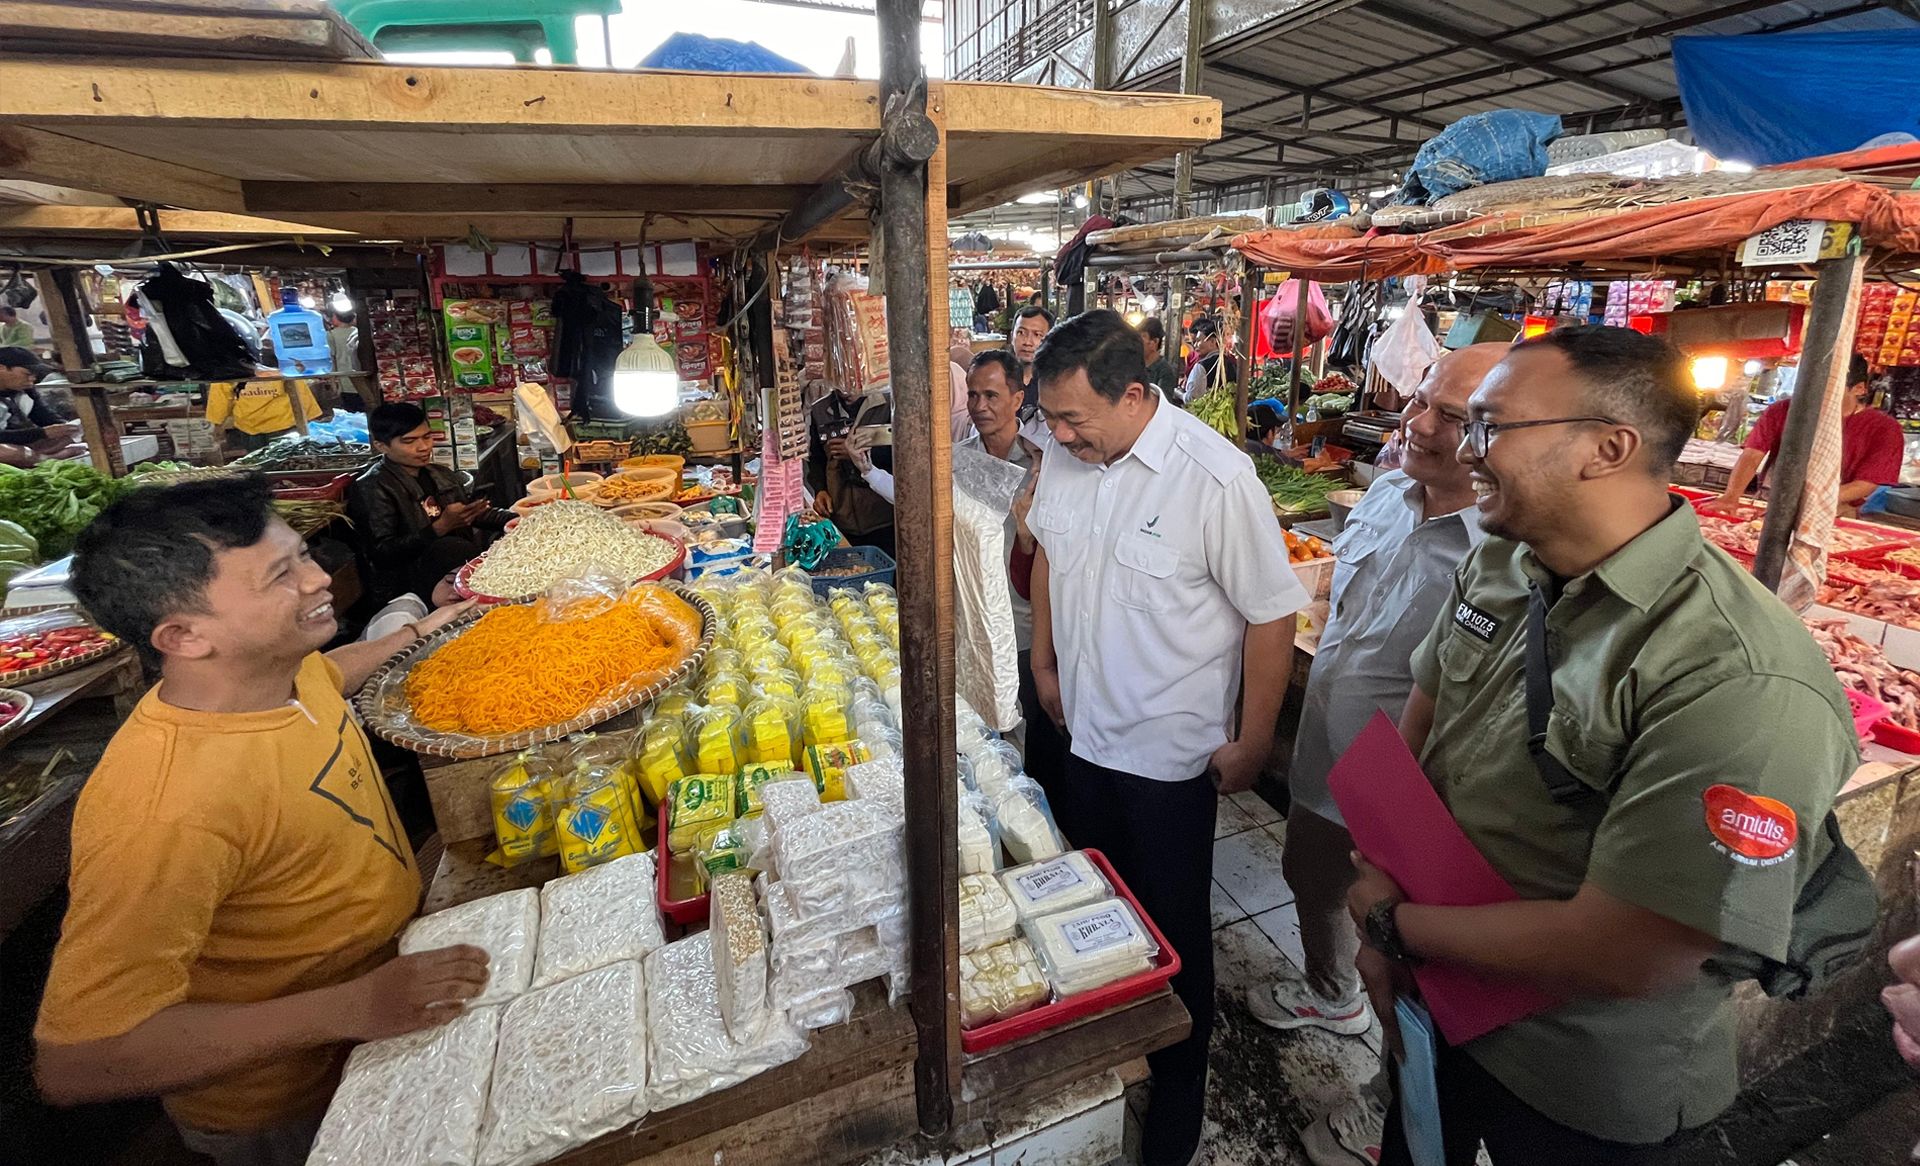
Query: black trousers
point(1476, 1107)
point(1046, 743)
point(1159, 837)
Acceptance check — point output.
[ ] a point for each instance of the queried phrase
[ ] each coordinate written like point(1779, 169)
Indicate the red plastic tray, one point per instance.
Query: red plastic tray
point(467, 569)
point(1867, 712)
point(1166, 965)
point(1894, 737)
point(683, 911)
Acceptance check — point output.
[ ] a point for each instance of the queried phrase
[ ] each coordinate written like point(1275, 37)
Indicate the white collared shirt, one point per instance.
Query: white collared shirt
point(1156, 565)
point(1393, 573)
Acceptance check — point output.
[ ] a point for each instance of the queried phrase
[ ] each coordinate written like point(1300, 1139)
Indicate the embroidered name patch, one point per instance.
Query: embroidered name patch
point(1476, 622)
point(1748, 828)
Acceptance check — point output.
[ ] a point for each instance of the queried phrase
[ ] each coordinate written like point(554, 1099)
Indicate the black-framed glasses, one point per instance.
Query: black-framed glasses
point(1480, 433)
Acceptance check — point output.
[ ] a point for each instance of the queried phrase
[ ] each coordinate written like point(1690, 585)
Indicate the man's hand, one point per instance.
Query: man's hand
point(837, 448)
point(1046, 686)
point(859, 448)
point(1724, 504)
point(1370, 885)
point(458, 516)
point(442, 616)
point(823, 504)
point(1235, 765)
point(63, 430)
point(412, 992)
point(1903, 999)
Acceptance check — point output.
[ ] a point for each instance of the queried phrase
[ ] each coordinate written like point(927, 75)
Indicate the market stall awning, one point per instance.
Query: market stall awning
point(1888, 222)
point(405, 151)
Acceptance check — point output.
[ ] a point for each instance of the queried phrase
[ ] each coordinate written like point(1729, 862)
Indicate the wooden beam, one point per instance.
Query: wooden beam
point(493, 199)
point(43, 221)
point(41, 194)
point(277, 30)
point(58, 160)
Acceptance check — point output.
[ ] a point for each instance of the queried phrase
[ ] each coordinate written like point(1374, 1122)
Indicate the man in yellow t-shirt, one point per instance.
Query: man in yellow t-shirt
point(260, 410)
point(239, 873)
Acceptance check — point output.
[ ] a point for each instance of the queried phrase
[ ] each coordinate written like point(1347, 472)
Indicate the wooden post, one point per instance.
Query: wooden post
point(290, 386)
point(1829, 338)
point(66, 319)
point(1190, 80)
point(913, 224)
point(1299, 328)
point(1243, 384)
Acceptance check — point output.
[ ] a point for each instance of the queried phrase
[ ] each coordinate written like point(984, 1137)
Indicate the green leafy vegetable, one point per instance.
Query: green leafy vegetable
point(1294, 490)
point(54, 501)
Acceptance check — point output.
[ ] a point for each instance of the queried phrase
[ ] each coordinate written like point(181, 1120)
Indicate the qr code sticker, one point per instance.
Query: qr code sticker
point(1790, 240)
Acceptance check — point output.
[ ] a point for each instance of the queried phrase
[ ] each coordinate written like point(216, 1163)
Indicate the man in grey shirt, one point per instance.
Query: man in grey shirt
point(1395, 562)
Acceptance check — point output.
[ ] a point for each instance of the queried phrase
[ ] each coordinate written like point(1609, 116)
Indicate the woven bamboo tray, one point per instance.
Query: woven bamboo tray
point(54, 668)
point(392, 721)
point(12, 728)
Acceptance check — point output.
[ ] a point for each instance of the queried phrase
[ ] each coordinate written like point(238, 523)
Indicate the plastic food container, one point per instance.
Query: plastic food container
point(549, 485)
point(687, 909)
point(1165, 966)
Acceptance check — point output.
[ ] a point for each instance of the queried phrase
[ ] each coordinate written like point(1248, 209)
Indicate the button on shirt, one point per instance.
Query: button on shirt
point(1683, 691)
point(1392, 573)
point(1156, 564)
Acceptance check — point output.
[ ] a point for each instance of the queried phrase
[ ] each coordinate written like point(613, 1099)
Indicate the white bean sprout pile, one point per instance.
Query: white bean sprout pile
point(564, 540)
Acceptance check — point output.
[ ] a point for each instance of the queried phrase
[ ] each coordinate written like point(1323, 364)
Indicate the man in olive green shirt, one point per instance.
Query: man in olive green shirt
point(1703, 737)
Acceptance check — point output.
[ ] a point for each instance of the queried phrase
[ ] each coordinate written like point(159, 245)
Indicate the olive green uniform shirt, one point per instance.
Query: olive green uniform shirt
point(1682, 690)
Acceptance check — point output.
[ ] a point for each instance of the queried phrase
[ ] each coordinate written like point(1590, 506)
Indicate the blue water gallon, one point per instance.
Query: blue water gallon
point(299, 337)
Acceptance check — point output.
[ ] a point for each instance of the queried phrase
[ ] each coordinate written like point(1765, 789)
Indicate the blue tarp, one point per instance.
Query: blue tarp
point(1780, 98)
point(687, 50)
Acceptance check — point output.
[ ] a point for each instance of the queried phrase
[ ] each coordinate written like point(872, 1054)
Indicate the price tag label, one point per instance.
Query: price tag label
point(1048, 881)
point(1098, 931)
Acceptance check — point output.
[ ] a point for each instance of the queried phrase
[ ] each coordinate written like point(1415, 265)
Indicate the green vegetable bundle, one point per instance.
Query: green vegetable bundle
point(1294, 490)
point(1216, 409)
point(54, 501)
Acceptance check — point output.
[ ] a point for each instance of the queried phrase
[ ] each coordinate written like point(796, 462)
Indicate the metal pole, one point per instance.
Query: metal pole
point(1243, 384)
point(913, 213)
point(1829, 337)
point(1190, 77)
point(1299, 328)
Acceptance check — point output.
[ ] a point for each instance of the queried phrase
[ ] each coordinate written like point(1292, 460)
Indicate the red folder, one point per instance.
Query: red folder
point(1399, 823)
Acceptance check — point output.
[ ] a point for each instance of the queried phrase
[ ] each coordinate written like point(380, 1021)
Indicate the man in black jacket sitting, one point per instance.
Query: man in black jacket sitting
point(415, 519)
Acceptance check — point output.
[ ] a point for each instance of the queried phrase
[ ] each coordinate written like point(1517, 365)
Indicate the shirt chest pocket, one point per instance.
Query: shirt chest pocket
point(1588, 753)
point(1144, 573)
point(1461, 657)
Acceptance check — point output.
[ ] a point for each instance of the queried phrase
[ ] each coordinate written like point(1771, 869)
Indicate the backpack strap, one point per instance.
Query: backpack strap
point(1562, 786)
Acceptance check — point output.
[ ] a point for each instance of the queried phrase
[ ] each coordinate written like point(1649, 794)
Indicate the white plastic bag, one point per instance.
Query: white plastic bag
point(1405, 351)
point(504, 925)
point(413, 1100)
point(691, 1053)
point(597, 917)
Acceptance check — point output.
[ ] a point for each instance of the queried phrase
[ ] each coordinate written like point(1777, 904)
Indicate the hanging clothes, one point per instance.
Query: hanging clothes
point(183, 310)
point(586, 341)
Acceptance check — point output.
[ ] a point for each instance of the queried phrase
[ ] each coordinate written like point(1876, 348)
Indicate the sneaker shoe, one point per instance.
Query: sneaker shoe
point(1289, 1003)
point(1350, 1135)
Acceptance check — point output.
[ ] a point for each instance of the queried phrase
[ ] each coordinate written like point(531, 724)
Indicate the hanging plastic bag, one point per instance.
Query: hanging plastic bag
point(1276, 316)
point(1405, 351)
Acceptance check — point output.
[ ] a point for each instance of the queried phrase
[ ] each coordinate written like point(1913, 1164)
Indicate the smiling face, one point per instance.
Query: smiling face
point(265, 602)
point(1436, 418)
point(1529, 482)
point(1088, 425)
point(1027, 335)
point(412, 449)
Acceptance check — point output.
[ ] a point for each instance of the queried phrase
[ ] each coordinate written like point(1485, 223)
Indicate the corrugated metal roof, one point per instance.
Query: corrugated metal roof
point(1348, 98)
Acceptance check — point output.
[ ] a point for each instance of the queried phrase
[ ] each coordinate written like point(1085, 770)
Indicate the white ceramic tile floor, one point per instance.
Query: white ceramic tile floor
point(1231, 819)
point(1256, 807)
point(1247, 864)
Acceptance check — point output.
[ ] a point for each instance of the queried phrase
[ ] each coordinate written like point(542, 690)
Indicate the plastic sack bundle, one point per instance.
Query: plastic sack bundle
point(834, 1006)
point(413, 1100)
point(1026, 822)
point(1497, 146)
point(1092, 946)
point(504, 925)
point(597, 917)
point(572, 1065)
point(1000, 981)
point(1059, 884)
point(986, 665)
point(834, 859)
point(987, 916)
point(691, 1053)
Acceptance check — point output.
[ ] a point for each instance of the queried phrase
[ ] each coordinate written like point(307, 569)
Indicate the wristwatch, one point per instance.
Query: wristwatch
point(1383, 934)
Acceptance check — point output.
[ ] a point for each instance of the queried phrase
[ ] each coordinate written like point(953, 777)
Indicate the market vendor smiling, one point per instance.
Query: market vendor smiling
point(239, 873)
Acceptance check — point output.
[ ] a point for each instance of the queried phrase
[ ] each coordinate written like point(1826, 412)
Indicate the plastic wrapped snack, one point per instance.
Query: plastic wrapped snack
point(664, 756)
point(882, 779)
point(702, 804)
point(834, 1006)
point(995, 766)
point(987, 916)
point(785, 799)
point(1092, 946)
point(979, 851)
point(593, 821)
point(505, 926)
point(597, 917)
point(780, 682)
point(522, 817)
point(772, 731)
point(746, 798)
point(691, 1053)
point(1000, 981)
point(1057, 884)
point(739, 954)
point(824, 714)
point(827, 766)
point(413, 1100)
point(572, 1065)
point(718, 739)
point(1026, 823)
point(847, 860)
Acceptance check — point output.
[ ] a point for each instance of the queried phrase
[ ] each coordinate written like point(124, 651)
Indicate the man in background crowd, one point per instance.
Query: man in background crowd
point(1030, 327)
point(1207, 374)
point(840, 489)
point(1160, 371)
point(1645, 825)
point(28, 425)
point(1872, 446)
point(14, 332)
point(1396, 558)
point(1160, 593)
point(416, 520)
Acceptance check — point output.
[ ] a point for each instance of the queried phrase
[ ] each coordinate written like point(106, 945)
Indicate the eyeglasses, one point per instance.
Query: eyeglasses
point(1480, 433)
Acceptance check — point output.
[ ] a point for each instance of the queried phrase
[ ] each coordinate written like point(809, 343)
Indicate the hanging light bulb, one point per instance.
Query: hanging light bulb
point(1080, 201)
point(340, 301)
point(646, 381)
point(307, 301)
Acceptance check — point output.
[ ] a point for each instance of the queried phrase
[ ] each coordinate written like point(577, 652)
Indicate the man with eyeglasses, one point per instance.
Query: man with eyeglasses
point(1395, 562)
point(1673, 689)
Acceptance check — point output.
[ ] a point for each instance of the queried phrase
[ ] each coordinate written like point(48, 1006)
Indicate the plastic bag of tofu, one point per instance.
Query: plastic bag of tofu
point(413, 1100)
point(1056, 884)
point(598, 917)
point(504, 925)
point(1026, 822)
point(1092, 946)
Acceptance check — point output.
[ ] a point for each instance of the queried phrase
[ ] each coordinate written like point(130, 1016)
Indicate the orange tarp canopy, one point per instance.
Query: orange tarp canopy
point(1886, 221)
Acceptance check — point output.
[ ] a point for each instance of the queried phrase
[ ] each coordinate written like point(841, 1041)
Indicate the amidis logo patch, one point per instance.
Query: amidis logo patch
point(1748, 828)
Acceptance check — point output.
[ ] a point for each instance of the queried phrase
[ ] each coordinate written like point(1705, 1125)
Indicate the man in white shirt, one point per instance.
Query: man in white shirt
point(1161, 592)
point(1396, 558)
